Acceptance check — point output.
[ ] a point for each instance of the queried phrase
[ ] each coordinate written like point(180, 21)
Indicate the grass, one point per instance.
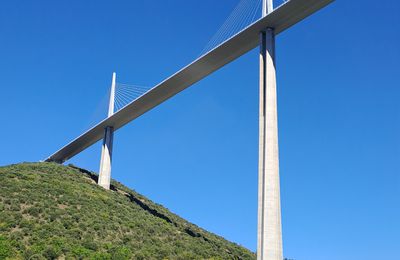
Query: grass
point(51, 211)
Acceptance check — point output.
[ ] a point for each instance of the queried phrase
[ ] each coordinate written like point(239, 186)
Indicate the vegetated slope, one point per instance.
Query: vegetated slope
point(50, 211)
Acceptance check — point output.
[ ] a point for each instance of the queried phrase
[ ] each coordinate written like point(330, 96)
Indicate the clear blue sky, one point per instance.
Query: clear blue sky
point(339, 124)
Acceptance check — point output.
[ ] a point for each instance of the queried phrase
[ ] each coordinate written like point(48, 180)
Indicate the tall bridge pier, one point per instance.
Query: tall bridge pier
point(106, 150)
point(269, 235)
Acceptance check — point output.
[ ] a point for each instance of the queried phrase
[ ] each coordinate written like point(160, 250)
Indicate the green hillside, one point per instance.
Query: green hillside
point(50, 211)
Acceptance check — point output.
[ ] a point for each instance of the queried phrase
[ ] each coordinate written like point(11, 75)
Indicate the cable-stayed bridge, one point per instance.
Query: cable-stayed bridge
point(247, 39)
point(242, 31)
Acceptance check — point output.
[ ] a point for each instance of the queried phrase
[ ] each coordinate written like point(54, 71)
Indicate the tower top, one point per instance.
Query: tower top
point(112, 95)
point(268, 7)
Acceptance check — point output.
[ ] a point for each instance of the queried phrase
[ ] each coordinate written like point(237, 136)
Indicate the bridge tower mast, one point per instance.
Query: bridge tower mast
point(269, 235)
point(106, 151)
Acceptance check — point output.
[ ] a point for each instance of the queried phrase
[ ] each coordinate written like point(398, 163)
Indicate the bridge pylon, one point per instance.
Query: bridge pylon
point(269, 244)
point(106, 150)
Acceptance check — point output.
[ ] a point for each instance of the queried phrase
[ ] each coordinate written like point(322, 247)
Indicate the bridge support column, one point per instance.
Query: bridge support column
point(106, 151)
point(106, 158)
point(269, 244)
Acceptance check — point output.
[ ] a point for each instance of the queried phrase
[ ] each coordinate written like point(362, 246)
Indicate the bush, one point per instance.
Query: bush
point(51, 252)
point(6, 249)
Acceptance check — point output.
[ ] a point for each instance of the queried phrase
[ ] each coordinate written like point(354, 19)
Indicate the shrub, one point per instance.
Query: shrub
point(6, 249)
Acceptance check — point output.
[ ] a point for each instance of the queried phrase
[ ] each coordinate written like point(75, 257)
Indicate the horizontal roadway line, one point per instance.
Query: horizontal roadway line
point(280, 19)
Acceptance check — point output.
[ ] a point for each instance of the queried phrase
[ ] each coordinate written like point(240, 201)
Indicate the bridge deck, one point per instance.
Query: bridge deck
point(281, 19)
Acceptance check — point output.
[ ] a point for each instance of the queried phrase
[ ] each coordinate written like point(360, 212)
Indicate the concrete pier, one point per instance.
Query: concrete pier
point(106, 151)
point(106, 158)
point(269, 244)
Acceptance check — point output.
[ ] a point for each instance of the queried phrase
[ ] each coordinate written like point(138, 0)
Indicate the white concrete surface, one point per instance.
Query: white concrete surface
point(269, 232)
point(106, 159)
point(106, 150)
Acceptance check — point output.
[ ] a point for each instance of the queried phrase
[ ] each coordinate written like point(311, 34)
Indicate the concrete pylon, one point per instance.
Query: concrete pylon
point(106, 151)
point(269, 237)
